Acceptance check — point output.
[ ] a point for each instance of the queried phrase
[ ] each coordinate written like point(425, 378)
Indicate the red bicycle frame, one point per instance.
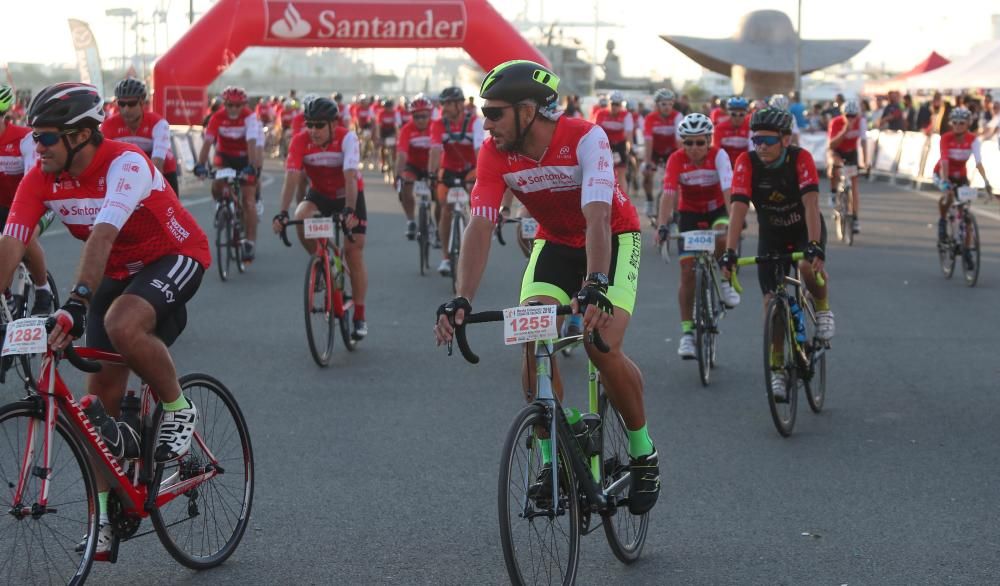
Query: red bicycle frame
point(334, 296)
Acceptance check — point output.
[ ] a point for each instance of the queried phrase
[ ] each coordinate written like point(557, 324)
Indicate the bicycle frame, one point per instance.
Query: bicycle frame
point(327, 251)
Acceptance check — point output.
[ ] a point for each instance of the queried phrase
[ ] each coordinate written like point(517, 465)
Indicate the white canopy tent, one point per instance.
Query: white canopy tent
point(979, 69)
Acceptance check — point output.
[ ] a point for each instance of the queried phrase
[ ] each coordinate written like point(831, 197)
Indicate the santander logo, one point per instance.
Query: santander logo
point(291, 25)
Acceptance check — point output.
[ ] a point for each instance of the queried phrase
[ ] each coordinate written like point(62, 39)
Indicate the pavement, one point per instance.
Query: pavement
point(382, 468)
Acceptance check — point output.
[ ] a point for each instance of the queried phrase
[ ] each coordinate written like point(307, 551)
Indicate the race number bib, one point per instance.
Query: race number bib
point(529, 323)
point(617, 158)
point(25, 336)
point(699, 240)
point(458, 195)
point(850, 171)
point(966, 193)
point(318, 227)
point(390, 141)
point(421, 189)
point(225, 173)
point(529, 227)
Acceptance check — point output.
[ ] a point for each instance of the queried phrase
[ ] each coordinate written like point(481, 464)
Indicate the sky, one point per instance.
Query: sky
point(901, 34)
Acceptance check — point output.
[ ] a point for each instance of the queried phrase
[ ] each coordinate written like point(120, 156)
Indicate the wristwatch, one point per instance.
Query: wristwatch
point(82, 291)
point(599, 279)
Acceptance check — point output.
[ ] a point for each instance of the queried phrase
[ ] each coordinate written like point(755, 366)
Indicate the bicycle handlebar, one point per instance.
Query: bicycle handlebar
point(83, 364)
point(499, 228)
point(338, 218)
point(491, 316)
point(774, 257)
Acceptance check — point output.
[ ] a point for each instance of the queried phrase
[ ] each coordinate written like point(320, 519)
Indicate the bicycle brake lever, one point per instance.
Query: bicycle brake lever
point(449, 344)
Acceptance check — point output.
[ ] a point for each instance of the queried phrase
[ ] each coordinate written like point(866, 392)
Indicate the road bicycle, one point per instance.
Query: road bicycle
point(962, 236)
point(539, 529)
point(230, 235)
point(458, 198)
point(327, 294)
point(18, 301)
point(792, 349)
point(527, 229)
point(51, 454)
point(426, 227)
point(843, 218)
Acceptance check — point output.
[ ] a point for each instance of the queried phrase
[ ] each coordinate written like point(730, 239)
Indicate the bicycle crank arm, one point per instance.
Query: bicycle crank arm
point(619, 486)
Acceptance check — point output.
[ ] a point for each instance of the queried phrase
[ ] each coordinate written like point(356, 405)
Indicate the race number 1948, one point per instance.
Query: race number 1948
point(318, 227)
point(529, 323)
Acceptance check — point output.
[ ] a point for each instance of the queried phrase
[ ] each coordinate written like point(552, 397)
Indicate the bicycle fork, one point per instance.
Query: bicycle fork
point(39, 439)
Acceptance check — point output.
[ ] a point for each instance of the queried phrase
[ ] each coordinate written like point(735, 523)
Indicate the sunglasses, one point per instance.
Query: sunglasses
point(316, 124)
point(426, 116)
point(737, 113)
point(233, 105)
point(768, 140)
point(50, 138)
point(851, 115)
point(700, 143)
point(494, 113)
point(665, 103)
point(128, 104)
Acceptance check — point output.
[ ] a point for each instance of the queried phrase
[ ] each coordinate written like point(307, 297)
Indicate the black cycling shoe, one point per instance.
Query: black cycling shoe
point(43, 303)
point(541, 491)
point(645, 483)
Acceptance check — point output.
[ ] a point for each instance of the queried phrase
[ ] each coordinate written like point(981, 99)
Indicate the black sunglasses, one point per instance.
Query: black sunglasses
point(494, 113)
point(50, 138)
point(423, 116)
point(737, 113)
point(694, 143)
point(316, 124)
point(233, 105)
point(128, 104)
point(768, 140)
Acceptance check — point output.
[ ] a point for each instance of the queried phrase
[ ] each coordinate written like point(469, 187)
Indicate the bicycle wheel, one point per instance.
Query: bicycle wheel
point(702, 324)
point(540, 546)
point(238, 238)
point(342, 279)
point(815, 385)
point(203, 526)
point(946, 253)
point(626, 533)
point(223, 241)
point(777, 330)
point(27, 364)
point(970, 252)
point(319, 314)
point(41, 549)
point(423, 239)
point(455, 245)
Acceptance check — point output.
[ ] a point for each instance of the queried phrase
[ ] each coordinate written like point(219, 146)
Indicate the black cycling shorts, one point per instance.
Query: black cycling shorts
point(167, 284)
point(621, 148)
point(328, 207)
point(411, 174)
point(172, 181)
point(849, 158)
point(4, 212)
point(230, 162)
point(700, 221)
point(794, 240)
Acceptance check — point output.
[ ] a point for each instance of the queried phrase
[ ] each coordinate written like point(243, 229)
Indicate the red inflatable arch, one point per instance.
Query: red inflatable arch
point(182, 75)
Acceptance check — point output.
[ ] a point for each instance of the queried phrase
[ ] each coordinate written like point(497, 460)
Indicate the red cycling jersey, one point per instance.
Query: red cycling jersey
point(718, 115)
point(618, 126)
point(362, 116)
point(661, 131)
point(575, 170)
point(388, 119)
point(734, 139)
point(264, 112)
point(416, 144)
point(957, 149)
point(460, 142)
point(325, 165)
point(700, 185)
point(404, 115)
point(120, 187)
point(286, 115)
point(230, 135)
point(17, 156)
point(855, 133)
point(298, 122)
point(152, 136)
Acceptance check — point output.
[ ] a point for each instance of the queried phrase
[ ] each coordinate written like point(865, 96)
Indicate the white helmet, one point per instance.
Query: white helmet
point(779, 101)
point(851, 108)
point(616, 97)
point(695, 125)
point(663, 95)
point(960, 113)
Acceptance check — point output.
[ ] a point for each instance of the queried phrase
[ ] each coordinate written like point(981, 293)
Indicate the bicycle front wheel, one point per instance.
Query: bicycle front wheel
point(423, 239)
point(28, 363)
point(541, 539)
point(202, 527)
point(223, 241)
point(702, 324)
point(626, 533)
point(41, 548)
point(946, 255)
point(342, 280)
point(318, 312)
point(815, 385)
point(779, 362)
point(455, 244)
point(970, 251)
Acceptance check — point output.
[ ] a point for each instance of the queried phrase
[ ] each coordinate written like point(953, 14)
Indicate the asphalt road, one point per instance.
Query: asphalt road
point(382, 468)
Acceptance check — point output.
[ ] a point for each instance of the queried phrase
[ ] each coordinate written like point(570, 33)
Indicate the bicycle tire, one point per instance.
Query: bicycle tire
point(971, 233)
point(423, 239)
point(702, 325)
point(73, 497)
point(239, 236)
point(223, 244)
point(614, 463)
point(212, 398)
point(342, 279)
point(849, 229)
point(455, 246)
point(320, 334)
point(28, 363)
point(516, 474)
point(777, 320)
point(815, 386)
point(714, 304)
point(946, 253)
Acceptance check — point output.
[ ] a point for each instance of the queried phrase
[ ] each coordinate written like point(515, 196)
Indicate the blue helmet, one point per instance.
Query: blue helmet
point(737, 103)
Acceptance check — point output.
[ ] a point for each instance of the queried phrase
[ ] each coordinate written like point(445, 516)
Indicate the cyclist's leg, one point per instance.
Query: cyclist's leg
point(248, 196)
point(834, 164)
point(647, 180)
point(307, 208)
point(406, 198)
point(444, 221)
point(853, 205)
point(172, 181)
point(354, 255)
point(685, 291)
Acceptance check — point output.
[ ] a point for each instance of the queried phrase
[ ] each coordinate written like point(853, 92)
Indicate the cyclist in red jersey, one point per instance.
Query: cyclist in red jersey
point(699, 178)
point(660, 134)
point(403, 109)
point(143, 258)
point(950, 171)
point(455, 142)
point(847, 136)
point(617, 124)
point(387, 124)
point(412, 157)
point(235, 132)
point(147, 130)
point(328, 155)
point(586, 251)
point(17, 156)
point(733, 135)
point(602, 104)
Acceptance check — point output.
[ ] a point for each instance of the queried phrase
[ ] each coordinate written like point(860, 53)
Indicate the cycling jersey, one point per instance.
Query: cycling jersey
point(264, 113)
point(699, 186)
point(416, 144)
point(735, 140)
point(776, 193)
point(388, 120)
point(957, 149)
point(362, 116)
point(575, 170)
point(404, 115)
point(152, 136)
point(325, 165)
point(286, 115)
point(718, 115)
point(618, 126)
point(230, 136)
point(17, 156)
point(661, 131)
point(460, 142)
point(298, 122)
point(120, 187)
point(855, 133)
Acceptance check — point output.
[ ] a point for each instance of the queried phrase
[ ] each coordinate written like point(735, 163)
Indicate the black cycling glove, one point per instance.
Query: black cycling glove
point(451, 308)
point(815, 250)
point(728, 259)
point(72, 317)
point(597, 295)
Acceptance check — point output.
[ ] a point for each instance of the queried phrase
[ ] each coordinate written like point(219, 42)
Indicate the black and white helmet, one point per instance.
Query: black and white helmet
point(67, 105)
point(779, 101)
point(130, 88)
point(695, 124)
point(960, 113)
point(851, 108)
point(663, 95)
point(616, 97)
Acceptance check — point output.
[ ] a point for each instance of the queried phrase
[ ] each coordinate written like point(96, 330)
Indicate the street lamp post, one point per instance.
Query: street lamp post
point(124, 14)
point(798, 53)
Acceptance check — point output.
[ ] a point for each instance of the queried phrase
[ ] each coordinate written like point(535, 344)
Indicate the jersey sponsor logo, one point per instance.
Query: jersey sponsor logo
point(130, 167)
point(420, 142)
point(702, 177)
point(785, 221)
point(564, 152)
point(11, 165)
point(544, 178)
point(179, 233)
point(79, 211)
point(165, 288)
point(604, 145)
point(603, 164)
point(233, 132)
point(387, 22)
point(665, 130)
point(324, 159)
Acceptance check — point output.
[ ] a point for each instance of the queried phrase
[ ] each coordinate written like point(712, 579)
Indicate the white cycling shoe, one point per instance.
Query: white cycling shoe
point(686, 350)
point(824, 325)
point(730, 298)
point(445, 268)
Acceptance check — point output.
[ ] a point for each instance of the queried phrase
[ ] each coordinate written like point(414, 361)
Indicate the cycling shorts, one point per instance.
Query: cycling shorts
point(558, 271)
point(849, 157)
point(620, 149)
point(167, 284)
point(449, 179)
point(953, 182)
point(795, 240)
point(411, 174)
point(700, 221)
point(221, 161)
point(328, 206)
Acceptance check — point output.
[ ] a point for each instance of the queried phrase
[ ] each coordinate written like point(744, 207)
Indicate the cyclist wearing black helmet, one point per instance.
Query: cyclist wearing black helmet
point(329, 155)
point(781, 182)
point(587, 248)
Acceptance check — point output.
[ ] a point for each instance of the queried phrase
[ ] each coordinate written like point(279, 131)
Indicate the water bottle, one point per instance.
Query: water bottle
point(128, 423)
point(104, 423)
point(800, 327)
point(581, 430)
